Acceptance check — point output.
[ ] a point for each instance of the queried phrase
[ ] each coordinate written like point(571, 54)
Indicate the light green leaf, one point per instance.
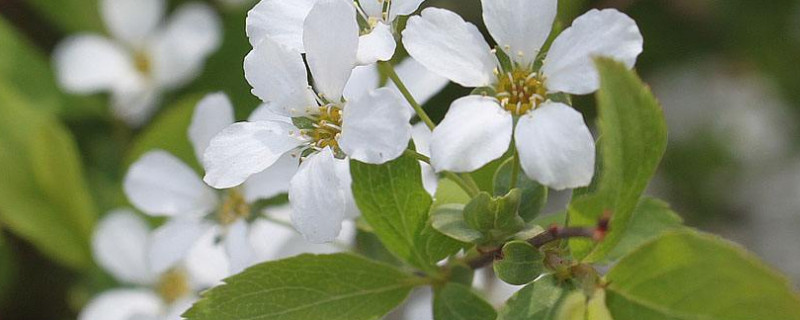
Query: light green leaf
point(394, 203)
point(448, 192)
point(596, 308)
point(634, 139)
point(521, 263)
point(497, 217)
point(449, 220)
point(690, 276)
point(43, 195)
point(458, 302)
point(573, 307)
point(169, 132)
point(539, 300)
point(27, 71)
point(534, 195)
point(308, 287)
point(651, 219)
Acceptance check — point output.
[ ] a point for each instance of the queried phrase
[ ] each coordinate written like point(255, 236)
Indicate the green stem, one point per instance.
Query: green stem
point(515, 170)
point(388, 69)
point(419, 156)
point(472, 184)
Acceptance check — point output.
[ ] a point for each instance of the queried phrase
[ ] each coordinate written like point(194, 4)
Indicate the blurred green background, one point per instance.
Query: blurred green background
point(726, 71)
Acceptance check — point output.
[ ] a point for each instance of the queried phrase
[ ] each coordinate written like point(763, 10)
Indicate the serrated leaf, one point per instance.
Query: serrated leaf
point(521, 263)
point(394, 203)
point(449, 220)
point(634, 139)
point(651, 219)
point(308, 287)
point(689, 275)
point(539, 300)
point(43, 194)
point(534, 195)
point(456, 301)
point(495, 217)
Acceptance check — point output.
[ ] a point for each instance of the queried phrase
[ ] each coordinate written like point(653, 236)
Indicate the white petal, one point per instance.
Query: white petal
point(475, 131)
point(520, 27)
point(318, 202)
point(607, 33)
point(244, 149)
point(375, 128)
point(122, 304)
point(363, 80)
point(279, 20)
point(135, 102)
point(378, 45)
point(211, 116)
point(194, 31)
point(420, 82)
point(120, 247)
point(172, 242)
point(272, 181)
point(447, 45)
point(345, 181)
point(267, 112)
point(278, 76)
point(161, 185)
point(132, 21)
point(237, 245)
point(90, 63)
point(403, 8)
point(268, 238)
point(555, 146)
point(207, 262)
point(330, 36)
point(373, 8)
point(430, 181)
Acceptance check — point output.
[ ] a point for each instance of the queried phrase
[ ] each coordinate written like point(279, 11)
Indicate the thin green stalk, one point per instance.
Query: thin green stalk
point(419, 156)
point(471, 182)
point(388, 69)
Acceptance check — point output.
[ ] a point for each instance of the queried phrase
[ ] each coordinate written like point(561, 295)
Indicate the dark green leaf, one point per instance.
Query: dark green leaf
point(71, 15)
point(539, 300)
point(689, 275)
point(634, 139)
point(394, 203)
point(534, 195)
point(456, 301)
point(521, 263)
point(308, 287)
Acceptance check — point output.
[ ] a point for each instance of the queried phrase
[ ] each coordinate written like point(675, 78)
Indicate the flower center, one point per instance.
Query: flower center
point(173, 285)
point(326, 129)
point(520, 91)
point(233, 208)
point(141, 62)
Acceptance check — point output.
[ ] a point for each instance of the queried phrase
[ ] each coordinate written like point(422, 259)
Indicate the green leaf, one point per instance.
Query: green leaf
point(534, 195)
point(521, 263)
point(308, 287)
point(169, 132)
point(71, 15)
point(596, 308)
point(573, 307)
point(539, 300)
point(43, 194)
point(394, 203)
point(448, 192)
point(27, 71)
point(689, 275)
point(456, 301)
point(496, 218)
point(634, 139)
point(651, 219)
point(449, 220)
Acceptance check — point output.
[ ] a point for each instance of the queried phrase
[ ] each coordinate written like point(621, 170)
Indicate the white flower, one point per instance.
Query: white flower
point(372, 127)
point(282, 21)
point(145, 56)
point(161, 185)
point(122, 246)
point(553, 142)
